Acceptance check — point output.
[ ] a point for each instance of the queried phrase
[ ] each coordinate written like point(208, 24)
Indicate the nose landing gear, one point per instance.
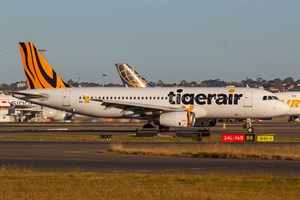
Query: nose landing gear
point(250, 129)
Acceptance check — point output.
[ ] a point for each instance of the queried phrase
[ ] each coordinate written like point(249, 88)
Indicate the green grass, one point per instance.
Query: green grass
point(18, 184)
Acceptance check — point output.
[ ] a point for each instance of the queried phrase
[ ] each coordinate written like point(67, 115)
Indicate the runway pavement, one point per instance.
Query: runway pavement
point(281, 129)
point(92, 156)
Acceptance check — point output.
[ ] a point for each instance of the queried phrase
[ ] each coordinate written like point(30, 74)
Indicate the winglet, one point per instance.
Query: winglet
point(130, 77)
point(39, 73)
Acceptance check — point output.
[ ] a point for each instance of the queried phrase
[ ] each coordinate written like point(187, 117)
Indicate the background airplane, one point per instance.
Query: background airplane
point(27, 111)
point(292, 99)
point(130, 77)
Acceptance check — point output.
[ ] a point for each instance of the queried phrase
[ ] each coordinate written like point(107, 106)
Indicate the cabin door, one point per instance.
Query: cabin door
point(248, 99)
point(66, 98)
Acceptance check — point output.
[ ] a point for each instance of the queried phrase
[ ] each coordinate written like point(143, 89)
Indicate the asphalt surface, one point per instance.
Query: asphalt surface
point(280, 129)
point(93, 156)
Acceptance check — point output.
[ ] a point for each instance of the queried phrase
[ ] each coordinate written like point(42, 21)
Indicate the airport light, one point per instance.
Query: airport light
point(42, 50)
point(103, 75)
point(79, 81)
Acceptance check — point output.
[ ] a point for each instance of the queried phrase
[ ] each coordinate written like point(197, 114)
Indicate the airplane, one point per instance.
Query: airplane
point(292, 99)
point(169, 106)
point(28, 110)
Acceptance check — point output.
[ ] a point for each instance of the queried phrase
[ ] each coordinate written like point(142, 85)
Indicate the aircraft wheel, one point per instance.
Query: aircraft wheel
point(163, 128)
point(148, 126)
point(250, 130)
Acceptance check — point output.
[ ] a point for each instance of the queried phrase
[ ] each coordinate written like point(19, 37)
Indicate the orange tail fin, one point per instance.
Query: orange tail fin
point(39, 74)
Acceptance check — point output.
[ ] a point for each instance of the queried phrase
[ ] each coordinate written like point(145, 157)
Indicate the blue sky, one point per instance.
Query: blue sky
point(174, 40)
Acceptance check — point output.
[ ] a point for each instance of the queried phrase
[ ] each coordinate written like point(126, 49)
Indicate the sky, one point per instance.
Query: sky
point(169, 40)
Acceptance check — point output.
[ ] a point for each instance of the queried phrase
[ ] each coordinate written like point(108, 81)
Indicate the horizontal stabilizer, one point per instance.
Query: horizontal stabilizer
point(27, 95)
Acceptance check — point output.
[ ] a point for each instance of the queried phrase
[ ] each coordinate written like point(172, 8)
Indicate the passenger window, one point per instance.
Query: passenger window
point(270, 98)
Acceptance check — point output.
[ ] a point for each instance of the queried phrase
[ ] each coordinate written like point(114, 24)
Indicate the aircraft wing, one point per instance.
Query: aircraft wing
point(133, 106)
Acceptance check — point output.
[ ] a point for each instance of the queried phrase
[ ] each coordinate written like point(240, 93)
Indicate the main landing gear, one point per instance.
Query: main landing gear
point(148, 130)
point(160, 128)
point(148, 125)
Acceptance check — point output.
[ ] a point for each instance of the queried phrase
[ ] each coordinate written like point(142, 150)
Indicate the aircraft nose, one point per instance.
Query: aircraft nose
point(281, 108)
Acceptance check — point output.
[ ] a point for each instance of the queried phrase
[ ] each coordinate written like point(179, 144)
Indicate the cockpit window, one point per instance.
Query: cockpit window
point(270, 98)
point(264, 97)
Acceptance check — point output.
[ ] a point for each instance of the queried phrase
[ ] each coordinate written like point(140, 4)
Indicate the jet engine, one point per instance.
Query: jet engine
point(175, 119)
point(57, 114)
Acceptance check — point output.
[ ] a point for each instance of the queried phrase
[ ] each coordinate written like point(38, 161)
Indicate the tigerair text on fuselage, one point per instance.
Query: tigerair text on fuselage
point(179, 97)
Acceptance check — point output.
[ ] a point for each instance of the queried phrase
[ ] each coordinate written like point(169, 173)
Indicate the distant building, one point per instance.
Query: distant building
point(273, 89)
point(21, 84)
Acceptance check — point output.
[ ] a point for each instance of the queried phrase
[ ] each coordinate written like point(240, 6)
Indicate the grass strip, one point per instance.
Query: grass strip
point(216, 151)
point(24, 184)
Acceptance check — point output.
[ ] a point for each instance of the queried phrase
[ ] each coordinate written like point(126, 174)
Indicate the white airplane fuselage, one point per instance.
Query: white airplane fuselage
point(204, 102)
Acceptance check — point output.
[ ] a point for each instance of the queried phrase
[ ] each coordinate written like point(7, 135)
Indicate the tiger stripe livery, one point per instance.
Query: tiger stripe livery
point(39, 73)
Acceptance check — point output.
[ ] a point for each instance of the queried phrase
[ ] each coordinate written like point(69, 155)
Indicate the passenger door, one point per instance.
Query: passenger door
point(248, 99)
point(66, 98)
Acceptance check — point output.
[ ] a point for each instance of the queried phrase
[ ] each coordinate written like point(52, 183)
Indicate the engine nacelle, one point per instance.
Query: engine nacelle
point(50, 113)
point(176, 119)
point(57, 114)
